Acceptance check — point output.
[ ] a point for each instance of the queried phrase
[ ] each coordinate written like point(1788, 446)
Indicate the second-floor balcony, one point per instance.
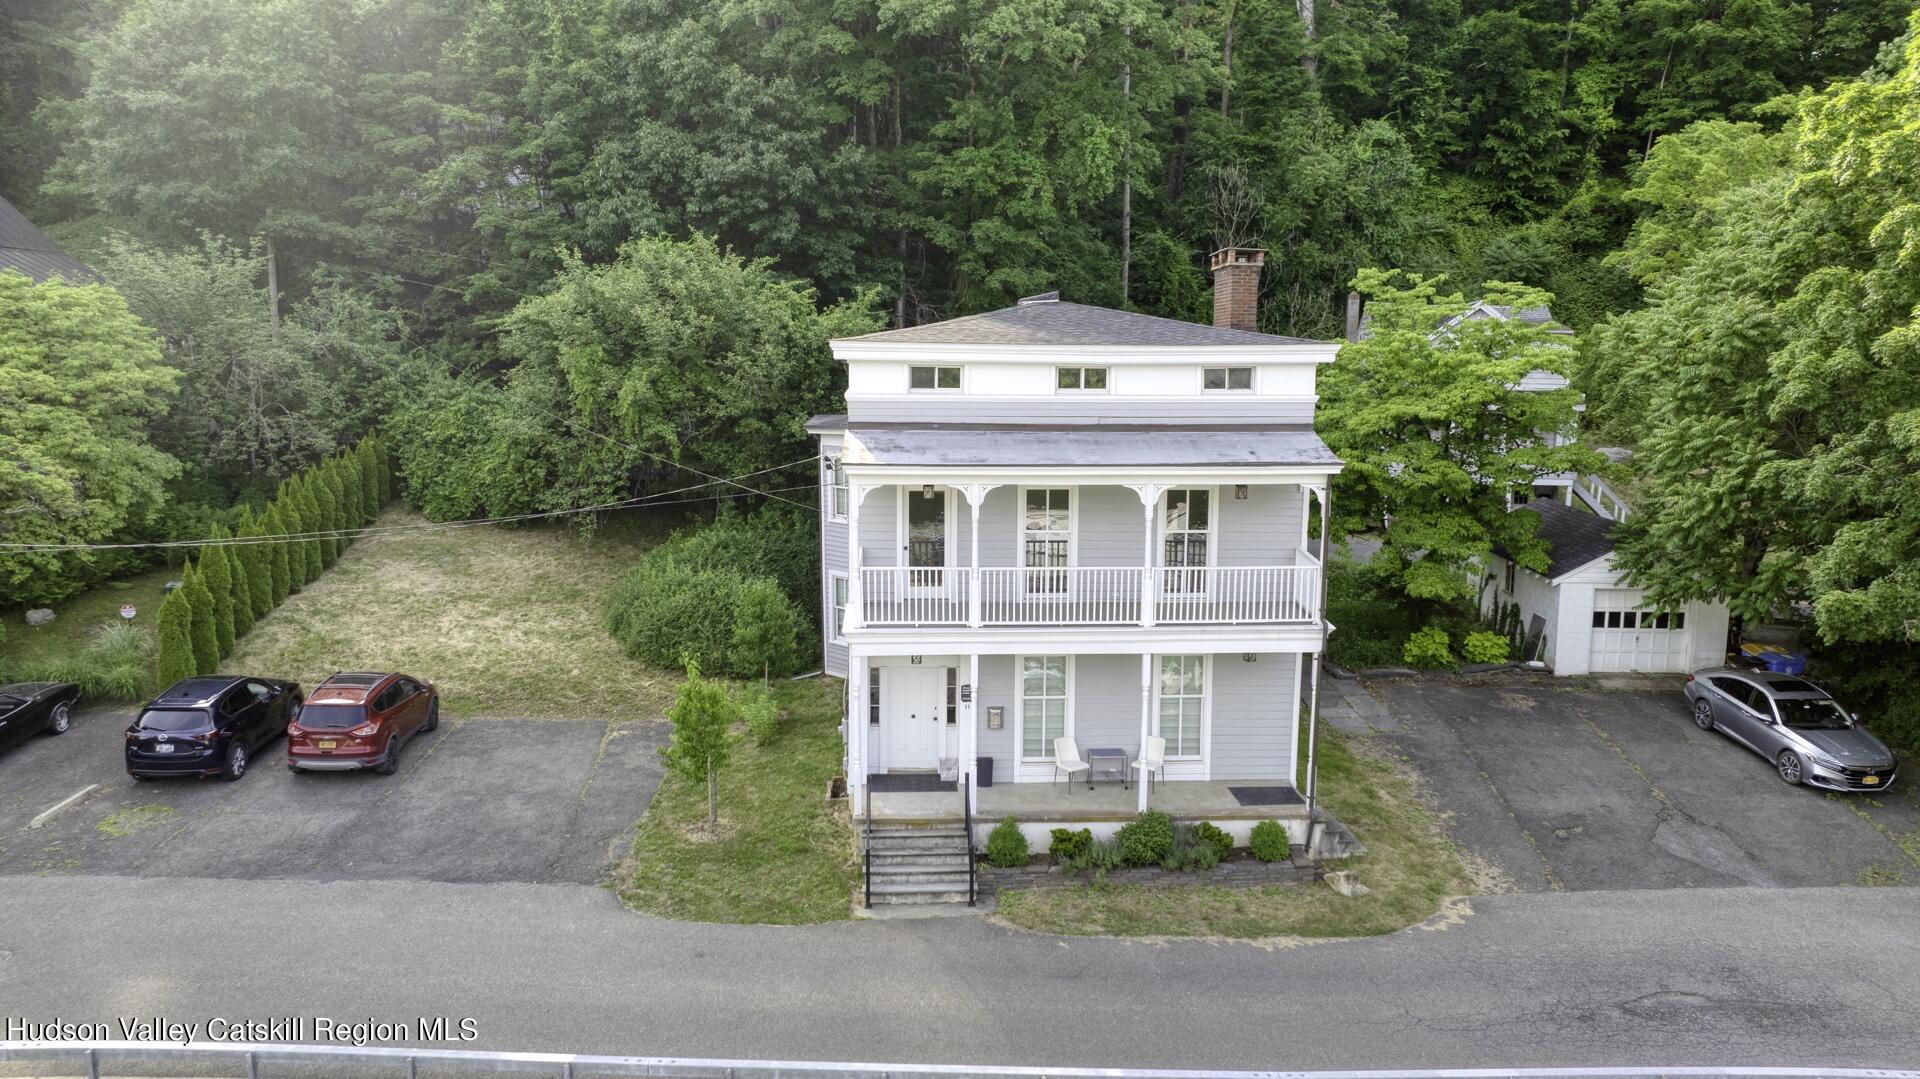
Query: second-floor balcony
point(904, 596)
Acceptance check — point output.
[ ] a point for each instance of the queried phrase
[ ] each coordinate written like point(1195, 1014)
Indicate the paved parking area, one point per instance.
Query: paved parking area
point(1562, 787)
point(539, 801)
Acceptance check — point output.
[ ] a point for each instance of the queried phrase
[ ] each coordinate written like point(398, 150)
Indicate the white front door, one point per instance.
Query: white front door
point(913, 713)
point(1627, 638)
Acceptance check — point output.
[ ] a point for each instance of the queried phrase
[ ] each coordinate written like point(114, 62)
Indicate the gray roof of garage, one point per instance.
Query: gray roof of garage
point(932, 445)
point(1574, 536)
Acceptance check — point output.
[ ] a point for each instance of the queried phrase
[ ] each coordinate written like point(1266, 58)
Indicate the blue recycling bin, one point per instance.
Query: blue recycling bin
point(1784, 663)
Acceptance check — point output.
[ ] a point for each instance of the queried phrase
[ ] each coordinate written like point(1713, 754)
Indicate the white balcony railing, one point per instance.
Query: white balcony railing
point(1087, 595)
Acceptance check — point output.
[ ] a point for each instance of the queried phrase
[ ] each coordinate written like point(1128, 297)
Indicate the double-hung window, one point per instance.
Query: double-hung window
point(834, 476)
point(1226, 378)
point(1043, 705)
point(1183, 688)
point(1046, 535)
point(1080, 378)
point(933, 378)
point(839, 605)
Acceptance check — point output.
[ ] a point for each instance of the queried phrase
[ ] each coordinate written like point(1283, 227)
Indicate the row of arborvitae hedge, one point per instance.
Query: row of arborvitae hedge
point(232, 585)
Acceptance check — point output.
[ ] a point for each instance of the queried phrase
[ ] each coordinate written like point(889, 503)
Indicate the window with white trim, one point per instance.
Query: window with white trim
point(1226, 378)
point(1043, 705)
point(1183, 689)
point(933, 378)
point(835, 479)
point(953, 696)
point(839, 605)
point(1083, 379)
point(873, 696)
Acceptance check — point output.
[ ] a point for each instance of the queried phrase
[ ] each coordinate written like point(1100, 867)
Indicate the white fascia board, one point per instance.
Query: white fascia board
point(1310, 352)
point(1094, 397)
point(1600, 571)
point(1084, 640)
point(1093, 475)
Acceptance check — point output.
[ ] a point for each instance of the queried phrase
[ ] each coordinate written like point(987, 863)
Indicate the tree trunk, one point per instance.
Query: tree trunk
point(1307, 60)
point(273, 290)
point(1126, 182)
point(713, 796)
point(1226, 63)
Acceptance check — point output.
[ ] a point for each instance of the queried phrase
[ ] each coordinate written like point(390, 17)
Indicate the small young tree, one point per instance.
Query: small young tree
point(238, 559)
point(256, 563)
point(279, 558)
point(766, 630)
point(352, 485)
point(702, 715)
point(206, 641)
point(337, 504)
point(370, 499)
point(310, 513)
point(174, 660)
point(217, 573)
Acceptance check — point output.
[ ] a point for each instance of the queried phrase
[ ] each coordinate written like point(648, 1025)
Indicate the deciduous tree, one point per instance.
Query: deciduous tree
point(703, 715)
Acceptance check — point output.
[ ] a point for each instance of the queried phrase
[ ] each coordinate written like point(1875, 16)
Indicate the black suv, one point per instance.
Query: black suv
point(209, 726)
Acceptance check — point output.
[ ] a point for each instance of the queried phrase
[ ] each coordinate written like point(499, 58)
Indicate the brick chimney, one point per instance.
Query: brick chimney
point(1236, 287)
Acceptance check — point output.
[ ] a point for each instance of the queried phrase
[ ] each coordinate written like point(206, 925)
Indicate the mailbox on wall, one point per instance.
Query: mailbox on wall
point(996, 715)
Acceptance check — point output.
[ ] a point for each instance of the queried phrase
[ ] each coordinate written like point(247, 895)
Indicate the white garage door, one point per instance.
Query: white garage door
point(1626, 638)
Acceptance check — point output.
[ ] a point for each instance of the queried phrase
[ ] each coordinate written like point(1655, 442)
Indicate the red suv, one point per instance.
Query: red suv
point(360, 720)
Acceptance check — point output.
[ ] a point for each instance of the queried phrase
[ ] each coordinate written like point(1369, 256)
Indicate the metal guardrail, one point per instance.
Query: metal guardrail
point(966, 812)
point(253, 1058)
point(867, 837)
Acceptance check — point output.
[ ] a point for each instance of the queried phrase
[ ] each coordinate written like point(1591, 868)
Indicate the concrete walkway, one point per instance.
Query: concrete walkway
point(1782, 976)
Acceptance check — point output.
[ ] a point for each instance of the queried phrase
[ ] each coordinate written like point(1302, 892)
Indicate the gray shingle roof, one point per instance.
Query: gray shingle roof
point(1574, 536)
point(27, 250)
point(928, 445)
point(1039, 321)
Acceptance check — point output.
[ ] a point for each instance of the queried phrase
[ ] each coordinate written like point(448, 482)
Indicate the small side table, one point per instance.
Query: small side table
point(1111, 760)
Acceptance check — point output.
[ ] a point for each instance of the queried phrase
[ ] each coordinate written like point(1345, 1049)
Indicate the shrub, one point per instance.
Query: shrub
point(206, 642)
point(1190, 851)
point(175, 659)
point(1484, 647)
point(1007, 845)
point(1214, 834)
point(278, 560)
point(217, 570)
point(1427, 649)
point(317, 561)
point(1270, 842)
point(114, 665)
point(1070, 847)
point(766, 630)
point(1146, 839)
point(662, 611)
point(762, 714)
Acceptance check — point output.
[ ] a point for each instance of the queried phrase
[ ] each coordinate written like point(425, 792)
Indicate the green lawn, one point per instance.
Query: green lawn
point(782, 854)
point(29, 647)
point(505, 621)
point(1410, 866)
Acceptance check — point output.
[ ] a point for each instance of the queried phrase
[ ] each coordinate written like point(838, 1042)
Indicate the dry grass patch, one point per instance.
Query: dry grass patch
point(505, 621)
point(1411, 869)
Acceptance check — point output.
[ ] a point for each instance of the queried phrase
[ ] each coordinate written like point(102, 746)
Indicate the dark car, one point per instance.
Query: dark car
point(27, 708)
point(1795, 724)
point(361, 719)
point(209, 726)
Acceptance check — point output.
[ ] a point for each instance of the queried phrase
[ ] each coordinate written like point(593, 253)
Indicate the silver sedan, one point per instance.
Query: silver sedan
point(1795, 724)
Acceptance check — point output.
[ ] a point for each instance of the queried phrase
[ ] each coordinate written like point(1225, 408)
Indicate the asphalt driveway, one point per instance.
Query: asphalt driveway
point(537, 801)
point(1564, 787)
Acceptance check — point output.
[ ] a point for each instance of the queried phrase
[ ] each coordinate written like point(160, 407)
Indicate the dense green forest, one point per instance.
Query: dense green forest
point(565, 250)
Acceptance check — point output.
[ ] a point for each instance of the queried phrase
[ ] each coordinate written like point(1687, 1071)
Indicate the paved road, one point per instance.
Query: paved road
point(536, 801)
point(1776, 976)
point(1563, 787)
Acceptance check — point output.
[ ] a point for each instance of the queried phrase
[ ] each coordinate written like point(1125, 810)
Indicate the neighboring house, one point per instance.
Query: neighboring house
point(1580, 617)
point(27, 250)
point(1077, 522)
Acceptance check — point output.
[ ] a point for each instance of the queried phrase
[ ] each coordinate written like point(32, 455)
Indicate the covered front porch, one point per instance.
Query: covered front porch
point(1104, 800)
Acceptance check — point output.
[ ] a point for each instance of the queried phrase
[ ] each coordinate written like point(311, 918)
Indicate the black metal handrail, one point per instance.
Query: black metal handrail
point(966, 814)
point(867, 789)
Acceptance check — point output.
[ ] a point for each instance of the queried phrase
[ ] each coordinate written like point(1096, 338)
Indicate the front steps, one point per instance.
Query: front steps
point(919, 865)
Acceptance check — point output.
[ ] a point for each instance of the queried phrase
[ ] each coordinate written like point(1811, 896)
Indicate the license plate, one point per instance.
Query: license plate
point(326, 745)
point(163, 748)
point(1870, 780)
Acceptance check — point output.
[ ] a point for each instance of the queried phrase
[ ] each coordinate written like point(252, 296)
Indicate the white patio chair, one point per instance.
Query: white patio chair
point(1153, 759)
point(1067, 759)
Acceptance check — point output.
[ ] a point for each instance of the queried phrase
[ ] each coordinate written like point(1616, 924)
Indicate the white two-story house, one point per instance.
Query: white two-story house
point(1060, 521)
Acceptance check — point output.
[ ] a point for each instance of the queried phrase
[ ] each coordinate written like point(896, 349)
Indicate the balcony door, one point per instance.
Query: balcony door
point(1046, 539)
point(926, 525)
point(1186, 538)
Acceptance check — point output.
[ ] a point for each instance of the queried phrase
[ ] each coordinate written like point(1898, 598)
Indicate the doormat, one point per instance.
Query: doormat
point(1266, 796)
point(909, 783)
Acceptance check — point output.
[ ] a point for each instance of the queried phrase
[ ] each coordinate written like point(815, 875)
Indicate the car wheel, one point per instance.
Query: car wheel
point(61, 719)
point(236, 763)
point(391, 762)
point(1703, 715)
point(433, 715)
point(1789, 764)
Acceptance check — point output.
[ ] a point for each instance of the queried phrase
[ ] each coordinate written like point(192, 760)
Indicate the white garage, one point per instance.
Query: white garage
point(1581, 618)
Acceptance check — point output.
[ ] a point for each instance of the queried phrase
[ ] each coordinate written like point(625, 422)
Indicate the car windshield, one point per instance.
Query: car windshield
point(332, 717)
point(173, 719)
point(1813, 714)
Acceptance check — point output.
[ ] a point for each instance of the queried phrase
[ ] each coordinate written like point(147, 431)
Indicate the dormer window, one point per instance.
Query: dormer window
point(1226, 378)
point(1080, 378)
point(934, 378)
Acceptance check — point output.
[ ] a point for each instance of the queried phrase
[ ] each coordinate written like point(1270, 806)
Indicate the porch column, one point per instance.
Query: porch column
point(857, 730)
point(972, 763)
point(856, 595)
point(1149, 501)
point(976, 493)
point(1146, 720)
